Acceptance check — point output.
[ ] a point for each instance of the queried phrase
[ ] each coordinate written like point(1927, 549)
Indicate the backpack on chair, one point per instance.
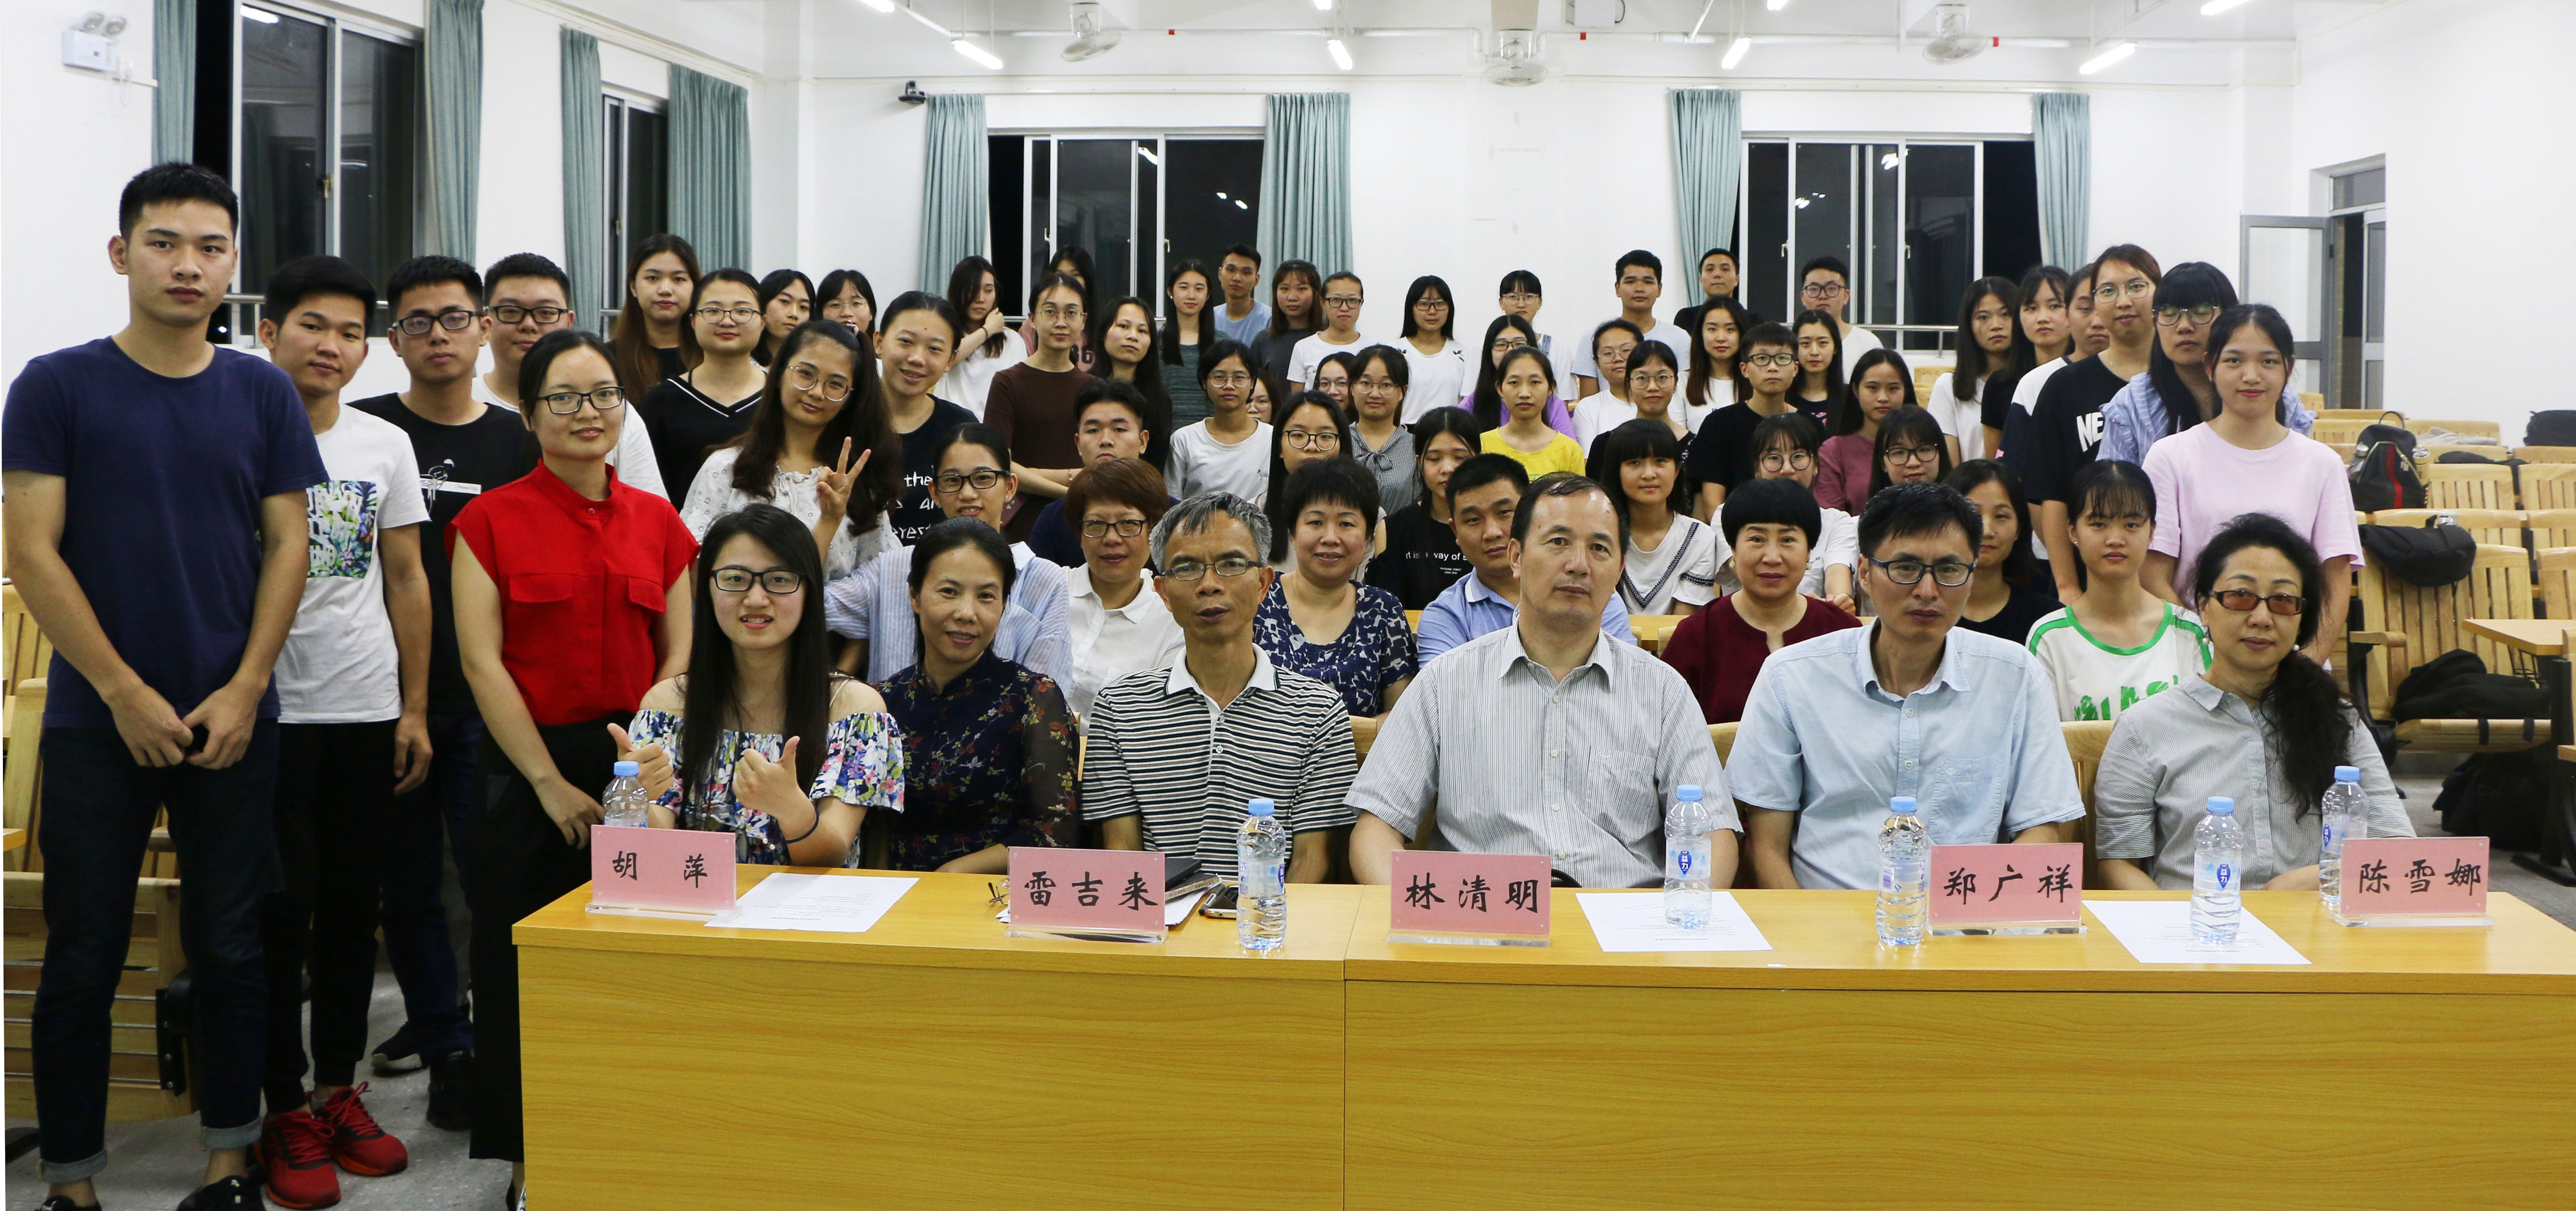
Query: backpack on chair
point(2383, 471)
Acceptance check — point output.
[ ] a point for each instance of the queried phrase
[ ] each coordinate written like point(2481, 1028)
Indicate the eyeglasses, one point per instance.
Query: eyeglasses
point(740, 315)
point(2200, 315)
point(1914, 454)
point(2136, 288)
point(1341, 300)
point(1187, 570)
point(544, 316)
point(1430, 305)
point(1311, 441)
point(1782, 360)
point(1127, 527)
point(1798, 460)
point(1949, 573)
point(807, 378)
point(1821, 290)
point(982, 479)
point(566, 403)
point(2242, 601)
point(1228, 378)
point(1504, 346)
point(778, 582)
point(1518, 298)
point(454, 320)
point(1659, 379)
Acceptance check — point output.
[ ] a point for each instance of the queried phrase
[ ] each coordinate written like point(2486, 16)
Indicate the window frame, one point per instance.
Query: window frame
point(616, 170)
point(1149, 285)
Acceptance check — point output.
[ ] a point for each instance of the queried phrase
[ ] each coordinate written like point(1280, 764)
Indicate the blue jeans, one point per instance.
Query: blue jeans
point(98, 807)
point(415, 915)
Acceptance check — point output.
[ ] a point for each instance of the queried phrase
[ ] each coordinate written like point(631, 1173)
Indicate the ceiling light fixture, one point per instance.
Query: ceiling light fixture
point(2110, 55)
point(1341, 54)
point(883, 6)
point(2215, 7)
point(980, 55)
point(1735, 54)
point(1323, 6)
point(1775, 5)
point(261, 15)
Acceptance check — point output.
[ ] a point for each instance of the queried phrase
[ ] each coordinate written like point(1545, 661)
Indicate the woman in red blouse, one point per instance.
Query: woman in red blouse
point(1771, 525)
point(572, 599)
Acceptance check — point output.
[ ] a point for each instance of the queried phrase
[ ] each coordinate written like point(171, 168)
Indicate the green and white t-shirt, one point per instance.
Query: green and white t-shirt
point(2094, 680)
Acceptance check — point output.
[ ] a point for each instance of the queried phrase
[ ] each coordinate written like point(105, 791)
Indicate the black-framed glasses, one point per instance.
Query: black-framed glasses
point(1797, 460)
point(1782, 360)
point(456, 319)
point(777, 582)
point(1430, 304)
point(741, 315)
point(982, 479)
point(806, 378)
point(566, 403)
point(2200, 314)
point(509, 314)
point(2242, 601)
point(1311, 441)
point(1228, 378)
point(1949, 573)
point(1187, 570)
point(1125, 527)
point(1341, 300)
point(1914, 454)
point(1821, 290)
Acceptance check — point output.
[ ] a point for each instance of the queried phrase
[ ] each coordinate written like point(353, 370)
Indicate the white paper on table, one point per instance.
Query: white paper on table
point(2159, 931)
point(1633, 923)
point(1176, 911)
point(816, 903)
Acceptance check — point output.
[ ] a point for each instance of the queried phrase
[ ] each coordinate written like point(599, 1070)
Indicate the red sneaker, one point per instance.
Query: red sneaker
point(357, 1142)
point(295, 1150)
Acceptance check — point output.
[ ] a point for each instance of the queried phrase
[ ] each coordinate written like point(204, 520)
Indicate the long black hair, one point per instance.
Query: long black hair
point(711, 692)
point(1427, 284)
point(1833, 368)
point(1458, 423)
point(2026, 351)
point(1149, 374)
point(1974, 365)
point(1487, 399)
point(1279, 325)
point(2275, 329)
point(1703, 367)
point(862, 419)
point(1170, 337)
point(965, 281)
point(1847, 411)
point(639, 368)
point(1085, 279)
point(2306, 719)
point(773, 284)
point(1915, 427)
point(2185, 286)
point(2020, 567)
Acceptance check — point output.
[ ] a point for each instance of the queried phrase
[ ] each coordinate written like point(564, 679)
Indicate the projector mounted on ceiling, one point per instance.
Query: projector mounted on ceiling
point(1951, 41)
point(1091, 36)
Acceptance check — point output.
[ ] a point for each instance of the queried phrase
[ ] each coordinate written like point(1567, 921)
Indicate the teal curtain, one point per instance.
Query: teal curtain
point(585, 175)
point(1306, 180)
point(2061, 126)
point(711, 167)
point(956, 199)
point(452, 58)
point(174, 66)
point(1708, 163)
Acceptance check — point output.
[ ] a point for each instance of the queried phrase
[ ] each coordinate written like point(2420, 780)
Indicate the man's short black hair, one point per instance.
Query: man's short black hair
point(1483, 469)
point(1563, 483)
point(1917, 508)
point(1728, 253)
point(1116, 390)
point(1638, 256)
point(1520, 281)
point(1246, 251)
point(310, 276)
point(430, 271)
point(174, 182)
point(1829, 262)
point(1781, 502)
point(528, 265)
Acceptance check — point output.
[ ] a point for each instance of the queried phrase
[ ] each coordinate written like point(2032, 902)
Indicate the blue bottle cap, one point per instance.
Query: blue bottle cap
point(1902, 805)
point(1687, 794)
point(624, 769)
point(1261, 807)
point(2347, 773)
point(2221, 805)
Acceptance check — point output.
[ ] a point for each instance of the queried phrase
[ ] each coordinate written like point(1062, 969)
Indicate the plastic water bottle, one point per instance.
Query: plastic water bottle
point(1686, 857)
point(1261, 863)
point(2217, 891)
point(2347, 818)
point(1904, 867)
point(624, 798)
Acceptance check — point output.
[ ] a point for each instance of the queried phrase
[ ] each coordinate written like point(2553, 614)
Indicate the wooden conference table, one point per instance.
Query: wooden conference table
point(933, 1062)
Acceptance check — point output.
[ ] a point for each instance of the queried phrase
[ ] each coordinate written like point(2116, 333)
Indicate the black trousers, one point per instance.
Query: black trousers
point(521, 864)
point(335, 790)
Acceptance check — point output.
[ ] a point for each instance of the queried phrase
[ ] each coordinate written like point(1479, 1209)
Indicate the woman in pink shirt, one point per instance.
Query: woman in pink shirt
point(2246, 461)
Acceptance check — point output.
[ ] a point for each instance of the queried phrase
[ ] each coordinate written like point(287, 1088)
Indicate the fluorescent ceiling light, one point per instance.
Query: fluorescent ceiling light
point(1220, 196)
point(261, 15)
point(935, 27)
point(2109, 56)
point(1775, 5)
point(1323, 6)
point(1735, 54)
point(883, 6)
point(1341, 53)
point(2215, 7)
point(977, 53)
point(1238, 205)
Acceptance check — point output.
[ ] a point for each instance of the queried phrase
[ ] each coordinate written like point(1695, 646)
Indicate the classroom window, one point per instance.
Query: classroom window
point(639, 184)
point(1137, 204)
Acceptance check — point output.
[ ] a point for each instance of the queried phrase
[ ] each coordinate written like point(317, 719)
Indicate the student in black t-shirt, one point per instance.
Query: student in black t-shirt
point(915, 345)
point(1720, 459)
point(1819, 389)
point(2066, 426)
point(2041, 334)
point(693, 412)
point(464, 447)
point(2009, 593)
point(1422, 557)
point(1111, 420)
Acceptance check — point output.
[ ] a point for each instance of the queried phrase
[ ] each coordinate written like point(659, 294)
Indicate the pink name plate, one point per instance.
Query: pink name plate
point(1087, 891)
point(2415, 881)
point(2012, 889)
point(659, 870)
point(1499, 899)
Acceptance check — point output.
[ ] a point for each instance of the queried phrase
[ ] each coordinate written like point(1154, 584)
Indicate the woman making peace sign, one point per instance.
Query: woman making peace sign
point(819, 447)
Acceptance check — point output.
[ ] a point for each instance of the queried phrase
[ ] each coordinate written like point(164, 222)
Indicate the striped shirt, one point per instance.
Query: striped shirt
point(1159, 747)
point(1521, 763)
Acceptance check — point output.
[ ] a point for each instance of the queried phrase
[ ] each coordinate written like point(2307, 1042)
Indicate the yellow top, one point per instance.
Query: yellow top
point(1561, 455)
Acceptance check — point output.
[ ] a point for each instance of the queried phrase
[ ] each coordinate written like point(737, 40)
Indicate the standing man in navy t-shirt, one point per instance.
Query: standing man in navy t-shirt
point(156, 531)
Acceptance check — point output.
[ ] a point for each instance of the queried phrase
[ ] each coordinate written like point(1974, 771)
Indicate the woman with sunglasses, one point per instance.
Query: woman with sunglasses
point(2245, 460)
point(709, 404)
point(2009, 595)
point(791, 754)
point(2175, 393)
point(572, 598)
point(1436, 361)
point(2266, 726)
point(819, 446)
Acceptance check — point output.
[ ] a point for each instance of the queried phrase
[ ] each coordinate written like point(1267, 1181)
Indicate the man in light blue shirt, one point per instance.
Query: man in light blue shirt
point(1484, 494)
point(1244, 317)
point(1908, 705)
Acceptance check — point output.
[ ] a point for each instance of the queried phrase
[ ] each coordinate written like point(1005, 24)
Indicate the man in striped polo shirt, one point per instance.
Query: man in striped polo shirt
point(1174, 754)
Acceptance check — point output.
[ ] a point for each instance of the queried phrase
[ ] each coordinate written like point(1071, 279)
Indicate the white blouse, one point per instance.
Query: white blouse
point(713, 495)
point(968, 383)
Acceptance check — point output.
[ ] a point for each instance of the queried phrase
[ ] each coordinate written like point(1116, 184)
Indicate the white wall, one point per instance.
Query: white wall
point(70, 140)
